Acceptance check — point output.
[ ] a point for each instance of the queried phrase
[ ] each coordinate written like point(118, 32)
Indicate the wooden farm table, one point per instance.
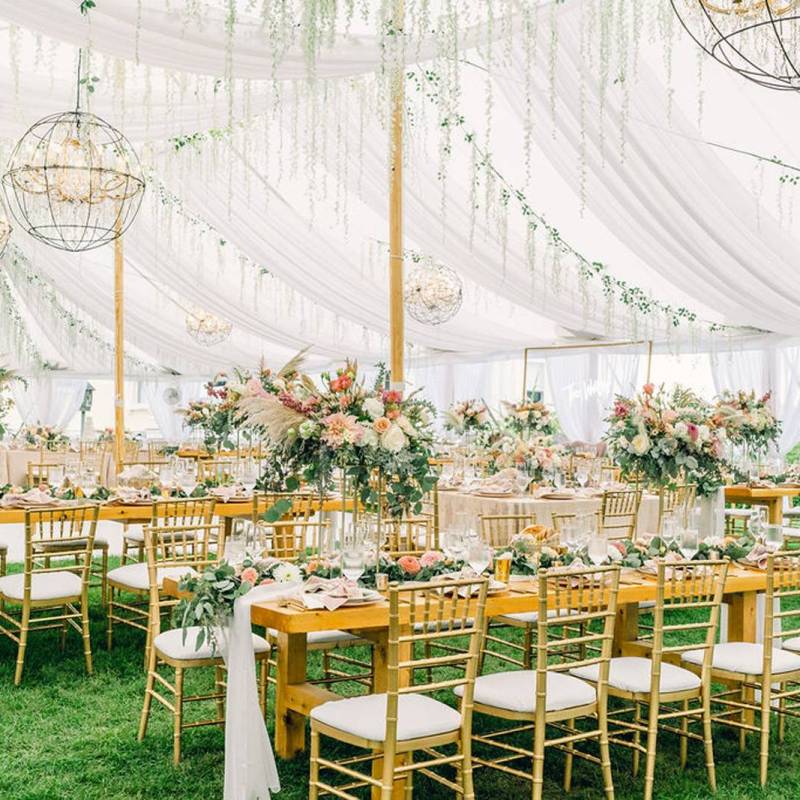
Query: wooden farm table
point(772, 498)
point(295, 696)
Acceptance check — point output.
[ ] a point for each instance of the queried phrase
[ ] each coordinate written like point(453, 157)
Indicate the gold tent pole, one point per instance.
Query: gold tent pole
point(396, 306)
point(649, 360)
point(119, 354)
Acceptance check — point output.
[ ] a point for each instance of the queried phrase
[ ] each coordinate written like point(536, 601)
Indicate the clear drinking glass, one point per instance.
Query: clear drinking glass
point(669, 530)
point(353, 561)
point(689, 543)
point(454, 544)
point(582, 475)
point(479, 556)
point(558, 479)
point(757, 521)
point(597, 548)
point(773, 537)
point(248, 476)
point(569, 534)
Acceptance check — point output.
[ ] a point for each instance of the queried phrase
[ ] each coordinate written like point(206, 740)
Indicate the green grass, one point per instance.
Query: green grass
point(66, 736)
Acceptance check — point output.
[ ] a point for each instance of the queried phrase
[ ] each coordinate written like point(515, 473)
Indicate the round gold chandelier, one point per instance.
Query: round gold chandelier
point(759, 39)
point(433, 293)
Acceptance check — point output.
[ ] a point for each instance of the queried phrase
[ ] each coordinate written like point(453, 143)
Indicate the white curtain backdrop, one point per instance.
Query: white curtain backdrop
point(49, 401)
point(166, 415)
point(584, 385)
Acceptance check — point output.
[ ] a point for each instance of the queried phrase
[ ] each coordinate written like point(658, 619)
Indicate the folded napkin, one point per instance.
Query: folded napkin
point(504, 482)
point(137, 472)
point(129, 495)
point(676, 559)
point(33, 497)
point(226, 493)
point(758, 556)
point(330, 593)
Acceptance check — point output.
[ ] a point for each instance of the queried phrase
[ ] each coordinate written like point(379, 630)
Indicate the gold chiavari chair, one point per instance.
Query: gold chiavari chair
point(40, 590)
point(174, 550)
point(298, 505)
point(131, 579)
point(392, 726)
point(559, 520)
point(687, 607)
point(771, 668)
point(156, 449)
point(575, 628)
point(38, 473)
point(408, 537)
point(613, 474)
point(289, 540)
point(430, 509)
point(498, 529)
point(619, 511)
point(675, 500)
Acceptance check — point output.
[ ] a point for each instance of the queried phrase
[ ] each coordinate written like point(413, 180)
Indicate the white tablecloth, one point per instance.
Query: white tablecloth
point(452, 502)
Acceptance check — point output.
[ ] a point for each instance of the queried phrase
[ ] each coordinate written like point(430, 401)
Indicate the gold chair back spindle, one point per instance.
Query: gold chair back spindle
point(675, 500)
point(498, 529)
point(619, 511)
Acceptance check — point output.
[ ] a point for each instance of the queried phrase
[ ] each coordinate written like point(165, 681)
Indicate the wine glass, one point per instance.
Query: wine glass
point(236, 542)
point(669, 530)
point(166, 474)
point(756, 522)
point(353, 560)
point(773, 537)
point(454, 544)
point(689, 543)
point(88, 482)
point(187, 480)
point(558, 479)
point(248, 476)
point(582, 474)
point(479, 556)
point(597, 549)
point(569, 533)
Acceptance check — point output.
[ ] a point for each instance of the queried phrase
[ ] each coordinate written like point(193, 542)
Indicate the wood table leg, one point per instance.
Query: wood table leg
point(742, 615)
point(290, 726)
point(775, 510)
point(626, 628)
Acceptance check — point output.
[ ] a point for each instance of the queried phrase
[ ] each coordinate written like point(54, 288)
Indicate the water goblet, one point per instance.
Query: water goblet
point(597, 549)
point(689, 543)
point(454, 544)
point(479, 556)
point(353, 561)
point(773, 537)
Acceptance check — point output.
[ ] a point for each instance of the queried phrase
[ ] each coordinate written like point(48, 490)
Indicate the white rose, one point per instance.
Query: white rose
point(640, 444)
point(370, 438)
point(394, 440)
point(614, 554)
point(703, 433)
point(681, 430)
point(373, 407)
point(405, 424)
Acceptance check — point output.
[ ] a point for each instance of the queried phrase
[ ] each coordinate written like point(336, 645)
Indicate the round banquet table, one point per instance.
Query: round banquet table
point(14, 465)
point(452, 502)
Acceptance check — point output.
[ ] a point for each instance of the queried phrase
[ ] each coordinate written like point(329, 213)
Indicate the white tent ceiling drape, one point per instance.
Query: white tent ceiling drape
point(293, 181)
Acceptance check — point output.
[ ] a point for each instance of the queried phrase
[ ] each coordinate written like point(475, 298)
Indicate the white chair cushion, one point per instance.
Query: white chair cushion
point(134, 576)
point(417, 715)
point(792, 644)
point(745, 657)
point(175, 645)
point(44, 586)
point(324, 637)
point(529, 617)
point(134, 533)
point(632, 674)
point(516, 691)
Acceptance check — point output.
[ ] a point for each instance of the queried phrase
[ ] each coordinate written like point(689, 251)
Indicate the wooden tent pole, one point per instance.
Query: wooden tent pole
point(649, 360)
point(119, 356)
point(396, 306)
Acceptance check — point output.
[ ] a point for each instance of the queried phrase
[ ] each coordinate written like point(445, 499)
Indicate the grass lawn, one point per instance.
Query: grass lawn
point(67, 736)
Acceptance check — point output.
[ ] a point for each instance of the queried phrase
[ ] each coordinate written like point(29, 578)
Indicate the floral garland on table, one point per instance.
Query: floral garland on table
point(106, 436)
point(534, 456)
point(748, 419)
point(317, 428)
point(530, 552)
point(467, 416)
point(531, 418)
point(667, 438)
point(42, 437)
point(216, 589)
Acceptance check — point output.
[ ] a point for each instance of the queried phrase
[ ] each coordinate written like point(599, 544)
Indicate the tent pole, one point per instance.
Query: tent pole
point(396, 309)
point(119, 363)
point(649, 360)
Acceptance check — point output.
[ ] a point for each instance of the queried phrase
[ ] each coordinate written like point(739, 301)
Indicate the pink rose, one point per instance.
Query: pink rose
point(381, 425)
point(409, 564)
point(266, 582)
point(619, 546)
point(250, 575)
point(393, 413)
point(254, 386)
point(431, 558)
point(669, 416)
point(693, 431)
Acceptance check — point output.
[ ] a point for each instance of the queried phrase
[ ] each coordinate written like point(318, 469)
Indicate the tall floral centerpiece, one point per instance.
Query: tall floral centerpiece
point(749, 420)
point(467, 416)
point(43, 437)
point(339, 423)
point(530, 419)
point(668, 438)
point(215, 416)
point(535, 457)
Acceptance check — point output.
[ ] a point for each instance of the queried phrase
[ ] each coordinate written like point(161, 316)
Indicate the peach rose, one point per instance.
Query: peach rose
point(250, 575)
point(431, 558)
point(409, 564)
point(381, 425)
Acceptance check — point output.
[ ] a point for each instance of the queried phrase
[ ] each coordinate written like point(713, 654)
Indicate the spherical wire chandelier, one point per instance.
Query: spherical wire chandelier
point(73, 181)
point(759, 39)
point(206, 328)
point(433, 293)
